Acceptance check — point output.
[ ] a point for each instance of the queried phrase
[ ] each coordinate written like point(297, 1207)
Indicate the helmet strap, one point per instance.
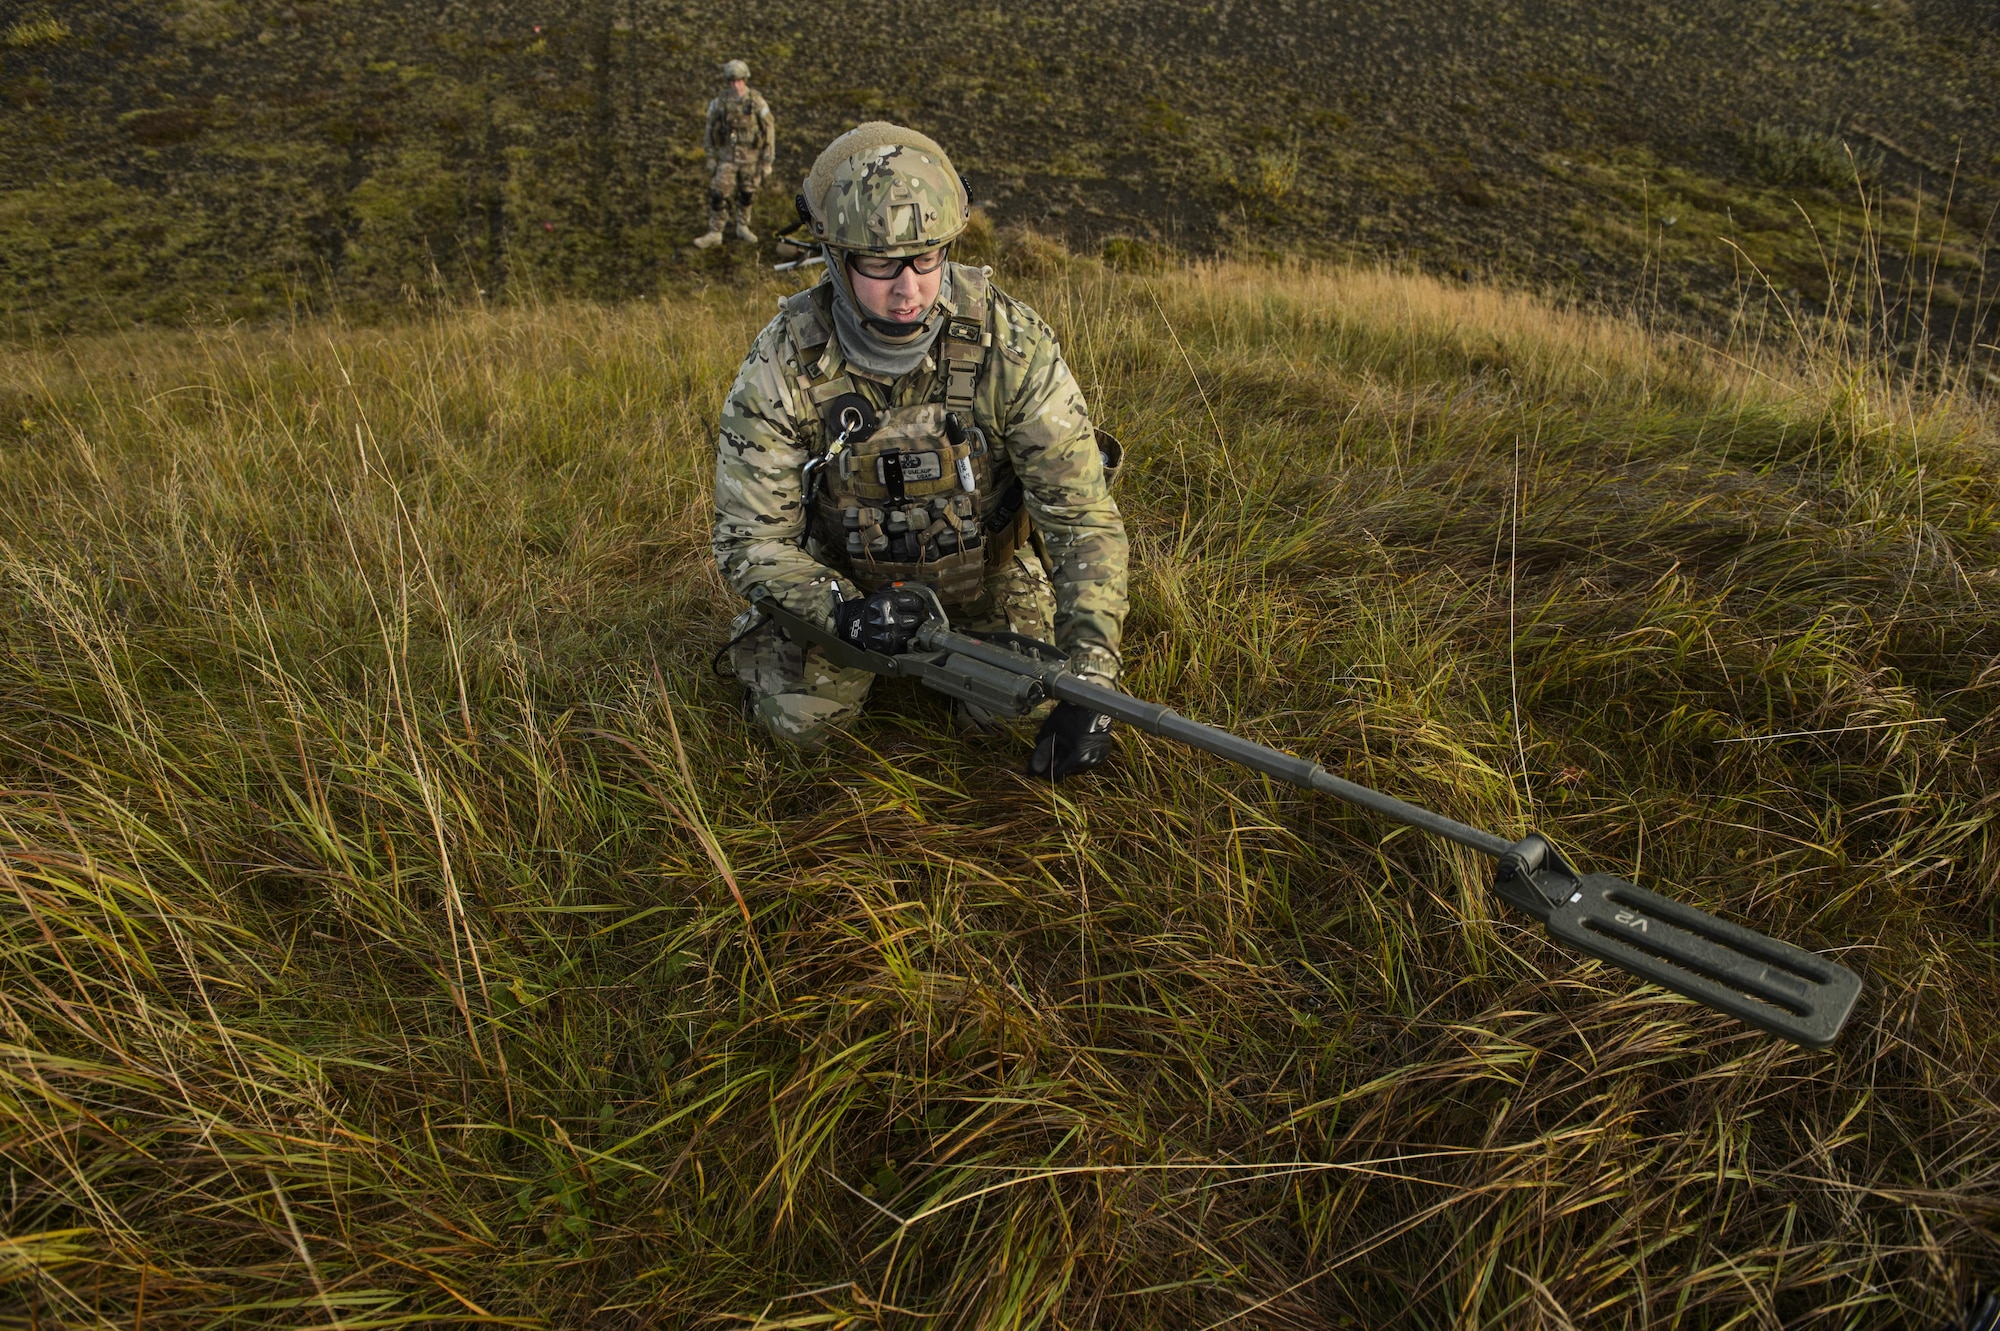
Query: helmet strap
point(890, 328)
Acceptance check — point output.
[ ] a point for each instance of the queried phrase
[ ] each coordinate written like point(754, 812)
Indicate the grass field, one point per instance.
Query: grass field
point(399, 927)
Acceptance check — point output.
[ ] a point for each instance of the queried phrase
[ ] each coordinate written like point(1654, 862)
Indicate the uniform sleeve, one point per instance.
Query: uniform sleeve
point(759, 506)
point(711, 132)
point(770, 150)
point(1053, 447)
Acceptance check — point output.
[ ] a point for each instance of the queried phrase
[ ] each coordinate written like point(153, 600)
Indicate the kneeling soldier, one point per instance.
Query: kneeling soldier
point(905, 421)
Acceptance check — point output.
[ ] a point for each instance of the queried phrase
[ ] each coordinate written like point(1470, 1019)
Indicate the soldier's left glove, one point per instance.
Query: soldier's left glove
point(1074, 739)
point(885, 621)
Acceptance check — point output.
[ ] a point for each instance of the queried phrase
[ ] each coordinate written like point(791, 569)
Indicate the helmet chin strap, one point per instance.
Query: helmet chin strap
point(890, 328)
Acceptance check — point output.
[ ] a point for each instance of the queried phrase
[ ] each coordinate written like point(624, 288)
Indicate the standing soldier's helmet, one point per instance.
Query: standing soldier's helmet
point(883, 189)
point(735, 69)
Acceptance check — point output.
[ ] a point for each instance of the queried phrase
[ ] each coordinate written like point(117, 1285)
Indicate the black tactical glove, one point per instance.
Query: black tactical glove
point(885, 621)
point(1074, 739)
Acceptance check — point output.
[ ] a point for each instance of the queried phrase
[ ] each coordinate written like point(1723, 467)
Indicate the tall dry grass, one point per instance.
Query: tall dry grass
point(400, 928)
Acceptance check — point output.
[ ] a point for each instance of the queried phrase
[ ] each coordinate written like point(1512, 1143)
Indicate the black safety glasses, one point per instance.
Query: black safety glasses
point(882, 268)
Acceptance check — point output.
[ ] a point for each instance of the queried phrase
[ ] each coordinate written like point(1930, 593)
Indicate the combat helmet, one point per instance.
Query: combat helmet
point(735, 69)
point(884, 189)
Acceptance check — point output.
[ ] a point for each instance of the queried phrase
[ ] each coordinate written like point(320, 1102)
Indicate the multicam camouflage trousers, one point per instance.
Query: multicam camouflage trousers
point(800, 696)
point(731, 191)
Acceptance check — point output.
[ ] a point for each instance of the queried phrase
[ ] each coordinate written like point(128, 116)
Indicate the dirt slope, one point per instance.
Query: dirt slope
point(215, 152)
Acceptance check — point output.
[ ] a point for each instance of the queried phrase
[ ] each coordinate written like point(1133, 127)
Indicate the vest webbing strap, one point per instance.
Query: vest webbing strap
point(962, 348)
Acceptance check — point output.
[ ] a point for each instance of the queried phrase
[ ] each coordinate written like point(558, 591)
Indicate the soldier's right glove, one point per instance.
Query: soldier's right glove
point(1074, 739)
point(885, 621)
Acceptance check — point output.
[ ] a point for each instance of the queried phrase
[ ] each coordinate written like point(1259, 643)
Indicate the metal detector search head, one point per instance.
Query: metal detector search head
point(1792, 993)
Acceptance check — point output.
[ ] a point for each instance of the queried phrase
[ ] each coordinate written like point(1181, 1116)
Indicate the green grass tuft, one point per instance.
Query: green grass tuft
point(1784, 156)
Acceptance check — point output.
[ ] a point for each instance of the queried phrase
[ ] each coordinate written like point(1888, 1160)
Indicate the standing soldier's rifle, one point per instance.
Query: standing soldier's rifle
point(1779, 988)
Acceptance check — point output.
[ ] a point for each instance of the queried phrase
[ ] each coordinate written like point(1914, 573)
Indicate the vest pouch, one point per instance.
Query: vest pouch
point(902, 510)
point(932, 541)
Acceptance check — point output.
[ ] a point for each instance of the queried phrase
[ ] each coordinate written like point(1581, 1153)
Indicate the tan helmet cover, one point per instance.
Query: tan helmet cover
point(736, 69)
point(884, 189)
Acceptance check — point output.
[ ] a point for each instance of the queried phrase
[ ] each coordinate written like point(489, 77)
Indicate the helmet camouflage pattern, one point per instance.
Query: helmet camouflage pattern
point(883, 189)
point(736, 69)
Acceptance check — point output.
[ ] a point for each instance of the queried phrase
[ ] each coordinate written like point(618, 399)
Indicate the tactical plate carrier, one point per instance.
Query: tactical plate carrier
point(912, 493)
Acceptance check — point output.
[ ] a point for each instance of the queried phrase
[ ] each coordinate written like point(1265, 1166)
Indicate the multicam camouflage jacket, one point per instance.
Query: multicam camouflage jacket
point(740, 130)
point(1024, 399)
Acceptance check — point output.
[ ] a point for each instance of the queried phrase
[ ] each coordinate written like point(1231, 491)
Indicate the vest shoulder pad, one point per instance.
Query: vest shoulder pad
point(972, 291)
point(1008, 322)
point(805, 323)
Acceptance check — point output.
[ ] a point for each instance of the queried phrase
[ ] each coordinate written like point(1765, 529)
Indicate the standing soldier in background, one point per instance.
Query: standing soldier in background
point(741, 142)
point(906, 422)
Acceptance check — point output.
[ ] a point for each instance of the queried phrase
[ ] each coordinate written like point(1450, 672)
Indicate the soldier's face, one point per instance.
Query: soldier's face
point(903, 299)
point(738, 86)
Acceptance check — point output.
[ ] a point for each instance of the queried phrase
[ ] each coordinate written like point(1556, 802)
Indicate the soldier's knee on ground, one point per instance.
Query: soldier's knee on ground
point(970, 716)
point(764, 660)
point(804, 719)
point(799, 696)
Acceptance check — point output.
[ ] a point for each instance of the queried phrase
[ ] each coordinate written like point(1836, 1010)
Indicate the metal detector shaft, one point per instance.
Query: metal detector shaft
point(1794, 994)
point(1169, 724)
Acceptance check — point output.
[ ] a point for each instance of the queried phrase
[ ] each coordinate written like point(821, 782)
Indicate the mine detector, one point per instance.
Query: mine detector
point(1774, 986)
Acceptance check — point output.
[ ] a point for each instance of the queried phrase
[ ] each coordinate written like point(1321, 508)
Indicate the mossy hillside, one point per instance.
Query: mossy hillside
point(402, 925)
point(1898, 264)
point(389, 148)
